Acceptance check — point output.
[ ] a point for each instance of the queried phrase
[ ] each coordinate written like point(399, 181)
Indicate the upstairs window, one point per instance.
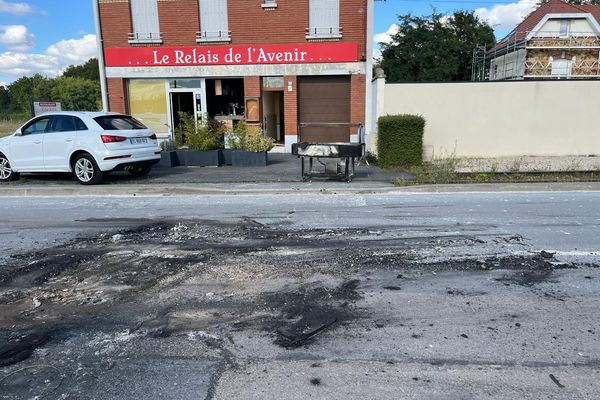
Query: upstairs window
point(324, 19)
point(214, 25)
point(269, 4)
point(561, 68)
point(144, 16)
point(564, 28)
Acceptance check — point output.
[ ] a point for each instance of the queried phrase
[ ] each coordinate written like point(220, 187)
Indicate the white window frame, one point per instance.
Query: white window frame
point(566, 24)
point(269, 4)
point(210, 12)
point(145, 22)
point(324, 19)
point(561, 68)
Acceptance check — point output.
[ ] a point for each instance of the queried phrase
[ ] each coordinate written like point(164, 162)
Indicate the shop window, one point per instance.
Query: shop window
point(144, 16)
point(214, 26)
point(148, 103)
point(324, 19)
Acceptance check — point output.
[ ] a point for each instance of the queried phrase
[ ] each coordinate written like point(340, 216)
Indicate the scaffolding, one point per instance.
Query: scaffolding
point(519, 56)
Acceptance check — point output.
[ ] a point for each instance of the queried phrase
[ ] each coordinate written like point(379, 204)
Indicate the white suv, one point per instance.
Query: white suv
point(88, 144)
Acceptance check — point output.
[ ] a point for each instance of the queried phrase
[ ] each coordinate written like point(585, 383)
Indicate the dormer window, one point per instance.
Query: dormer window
point(564, 28)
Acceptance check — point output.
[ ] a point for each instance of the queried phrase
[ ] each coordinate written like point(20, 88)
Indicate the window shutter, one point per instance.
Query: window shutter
point(324, 18)
point(213, 19)
point(144, 14)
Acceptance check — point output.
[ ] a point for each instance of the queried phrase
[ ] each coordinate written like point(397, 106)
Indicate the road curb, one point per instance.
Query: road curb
point(158, 190)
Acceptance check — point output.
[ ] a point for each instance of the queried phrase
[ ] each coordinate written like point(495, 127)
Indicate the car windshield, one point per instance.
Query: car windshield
point(119, 123)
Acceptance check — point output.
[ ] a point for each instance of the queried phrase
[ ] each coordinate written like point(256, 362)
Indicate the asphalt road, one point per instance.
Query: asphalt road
point(378, 296)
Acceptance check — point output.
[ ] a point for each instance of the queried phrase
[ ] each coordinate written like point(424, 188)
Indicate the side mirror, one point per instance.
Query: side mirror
point(18, 132)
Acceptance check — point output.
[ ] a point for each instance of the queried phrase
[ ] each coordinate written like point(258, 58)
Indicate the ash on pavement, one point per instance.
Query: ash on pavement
point(166, 309)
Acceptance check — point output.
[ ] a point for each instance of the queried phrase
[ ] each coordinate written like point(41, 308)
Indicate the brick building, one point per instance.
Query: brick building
point(286, 65)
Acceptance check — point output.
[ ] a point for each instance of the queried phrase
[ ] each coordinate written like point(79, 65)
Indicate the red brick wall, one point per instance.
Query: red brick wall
point(252, 86)
point(357, 99)
point(290, 105)
point(115, 19)
point(117, 97)
point(179, 22)
point(249, 23)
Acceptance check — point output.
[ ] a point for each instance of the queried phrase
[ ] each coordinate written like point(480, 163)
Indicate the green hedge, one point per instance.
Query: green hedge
point(400, 140)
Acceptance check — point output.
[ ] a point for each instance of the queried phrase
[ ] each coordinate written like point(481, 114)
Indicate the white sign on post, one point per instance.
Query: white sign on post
point(41, 107)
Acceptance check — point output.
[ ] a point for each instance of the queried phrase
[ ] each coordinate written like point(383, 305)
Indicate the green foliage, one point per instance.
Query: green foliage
point(89, 71)
point(78, 89)
point(76, 94)
point(435, 48)
point(199, 135)
point(371, 158)
point(243, 138)
point(438, 171)
point(168, 145)
point(400, 140)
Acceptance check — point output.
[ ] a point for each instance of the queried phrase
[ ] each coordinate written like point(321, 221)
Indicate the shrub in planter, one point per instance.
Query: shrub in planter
point(400, 140)
point(168, 156)
point(204, 141)
point(248, 148)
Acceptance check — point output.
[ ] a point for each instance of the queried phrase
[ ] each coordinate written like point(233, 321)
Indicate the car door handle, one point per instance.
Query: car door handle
point(38, 142)
point(68, 140)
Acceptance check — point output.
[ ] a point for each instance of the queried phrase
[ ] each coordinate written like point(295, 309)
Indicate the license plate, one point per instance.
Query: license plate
point(138, 140)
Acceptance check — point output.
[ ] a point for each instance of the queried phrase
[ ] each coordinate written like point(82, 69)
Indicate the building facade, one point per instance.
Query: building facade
point(297, 68)
point(556, 41)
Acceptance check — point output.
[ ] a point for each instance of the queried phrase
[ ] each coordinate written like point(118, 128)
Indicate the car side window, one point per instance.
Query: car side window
point(61, 123)
point(36, 127)
point(79, 124)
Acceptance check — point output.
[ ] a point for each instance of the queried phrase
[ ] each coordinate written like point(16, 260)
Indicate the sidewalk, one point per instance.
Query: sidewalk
point(281, 176)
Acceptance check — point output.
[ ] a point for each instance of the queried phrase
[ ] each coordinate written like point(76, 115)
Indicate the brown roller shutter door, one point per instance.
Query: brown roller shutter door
point(324, 99)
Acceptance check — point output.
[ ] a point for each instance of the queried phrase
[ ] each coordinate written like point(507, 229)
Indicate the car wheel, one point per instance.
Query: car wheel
point(140, 171)
point(86, 171)
point(6, 171)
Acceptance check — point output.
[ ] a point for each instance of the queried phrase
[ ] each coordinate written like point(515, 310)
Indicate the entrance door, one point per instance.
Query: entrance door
point(181, 102)
point(324, 100)
point(273, 123)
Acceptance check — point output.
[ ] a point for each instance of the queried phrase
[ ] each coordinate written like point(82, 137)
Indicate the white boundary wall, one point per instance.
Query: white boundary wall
point(502, 119)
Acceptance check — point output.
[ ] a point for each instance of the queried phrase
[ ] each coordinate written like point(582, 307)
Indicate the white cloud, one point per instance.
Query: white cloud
point(386, 37)
point(506, 16)
point(16, 38)
point(50, 63)
point(15, 8)
point(75, 50)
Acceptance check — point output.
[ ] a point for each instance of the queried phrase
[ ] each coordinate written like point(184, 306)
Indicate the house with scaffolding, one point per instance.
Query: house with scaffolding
point(556, 41)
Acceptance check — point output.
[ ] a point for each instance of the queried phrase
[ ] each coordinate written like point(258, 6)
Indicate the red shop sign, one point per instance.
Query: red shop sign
point(231, 55)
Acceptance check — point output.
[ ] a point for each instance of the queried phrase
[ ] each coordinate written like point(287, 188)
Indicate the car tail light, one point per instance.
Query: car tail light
point(113, 139)
point(153, 137)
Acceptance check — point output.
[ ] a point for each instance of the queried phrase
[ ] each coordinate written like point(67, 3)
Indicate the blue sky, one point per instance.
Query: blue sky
point(45, 36)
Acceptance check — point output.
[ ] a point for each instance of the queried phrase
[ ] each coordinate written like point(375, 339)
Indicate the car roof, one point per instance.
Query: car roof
point(90, 114)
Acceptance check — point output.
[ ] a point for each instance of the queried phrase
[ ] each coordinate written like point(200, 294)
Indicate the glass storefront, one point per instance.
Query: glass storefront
point(148, 103)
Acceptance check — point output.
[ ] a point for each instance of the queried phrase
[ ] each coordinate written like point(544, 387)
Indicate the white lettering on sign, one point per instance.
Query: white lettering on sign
point(232, 55)
point(42, 107)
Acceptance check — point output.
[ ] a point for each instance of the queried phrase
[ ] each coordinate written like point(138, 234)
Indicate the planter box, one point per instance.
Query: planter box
point(168, 159)
point(197, 158)
point(227, 156)
point(241, 158)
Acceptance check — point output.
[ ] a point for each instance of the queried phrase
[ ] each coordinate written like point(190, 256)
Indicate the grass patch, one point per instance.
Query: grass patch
point(9, 126)
point(436, 175)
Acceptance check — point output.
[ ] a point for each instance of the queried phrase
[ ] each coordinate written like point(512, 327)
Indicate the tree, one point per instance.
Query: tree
point(77, 94)
point(89, 70)
point(25, 89)
point(435, 48)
